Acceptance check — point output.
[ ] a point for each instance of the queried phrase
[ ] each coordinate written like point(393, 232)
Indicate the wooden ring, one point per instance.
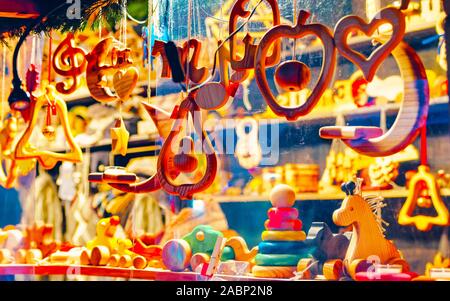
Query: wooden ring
point(283, 235)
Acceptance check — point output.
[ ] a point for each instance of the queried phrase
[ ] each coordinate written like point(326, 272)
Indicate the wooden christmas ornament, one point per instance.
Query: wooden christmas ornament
point(248, 59)
point(349, 24)
point(99, 73)
point(215, 95)
point(423, 180)
point(410, 119)
point(69, 61)
point(166, 171)
point(301, 29)
point(8, 132)
point(119, 137)
point(48, 159)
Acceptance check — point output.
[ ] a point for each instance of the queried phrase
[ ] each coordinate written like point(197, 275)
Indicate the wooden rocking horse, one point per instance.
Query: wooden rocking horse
point(368, 241)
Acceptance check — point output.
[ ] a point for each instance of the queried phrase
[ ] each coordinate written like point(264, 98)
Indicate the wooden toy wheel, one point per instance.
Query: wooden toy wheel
point(356, 266)
point(304, 266)
point(402, 262)
point(333, 269)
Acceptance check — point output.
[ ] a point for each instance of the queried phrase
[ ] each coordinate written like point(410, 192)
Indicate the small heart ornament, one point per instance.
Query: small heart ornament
point(346, 25)
point(124, 82)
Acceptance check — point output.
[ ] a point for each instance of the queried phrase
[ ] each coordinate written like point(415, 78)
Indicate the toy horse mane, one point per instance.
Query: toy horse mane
point(376, 204)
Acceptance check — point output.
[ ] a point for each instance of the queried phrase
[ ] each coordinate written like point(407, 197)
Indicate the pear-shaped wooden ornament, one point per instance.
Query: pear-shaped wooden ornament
point(169, 161)
point(423, 179)
point(48, 159)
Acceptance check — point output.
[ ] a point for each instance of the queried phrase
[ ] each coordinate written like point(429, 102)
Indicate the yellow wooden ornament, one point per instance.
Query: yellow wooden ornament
point(119, 138)
point(7, 133)
point(48, 159)
point(423, 222)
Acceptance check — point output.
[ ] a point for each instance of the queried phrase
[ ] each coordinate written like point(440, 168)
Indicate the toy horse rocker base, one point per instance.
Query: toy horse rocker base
point(368, 250)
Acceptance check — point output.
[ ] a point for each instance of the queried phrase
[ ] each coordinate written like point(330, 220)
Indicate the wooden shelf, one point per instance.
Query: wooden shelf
point(147, 274)
point(313, 196)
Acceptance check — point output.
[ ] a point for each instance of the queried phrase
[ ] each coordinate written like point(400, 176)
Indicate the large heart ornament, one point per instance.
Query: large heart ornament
point(349, 24)
point(124, 82)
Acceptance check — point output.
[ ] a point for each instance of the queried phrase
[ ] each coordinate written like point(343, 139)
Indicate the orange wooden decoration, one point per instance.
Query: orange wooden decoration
point(349, 24)
point(69, 61)
point(148, 185)
point(194, 74)
point(7, 134)
point(98, 71)
point(48, 159)
point(248, 61)
point(197, 75)
point(166, 174)
point(295, 32)
point(368, 242)
point(410, 119)
point(158, 50)
point(215, 95)
point(423, 222)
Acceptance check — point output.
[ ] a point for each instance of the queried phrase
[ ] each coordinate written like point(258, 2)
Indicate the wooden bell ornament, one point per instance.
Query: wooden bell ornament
point(422, 181)
point(98, 73)
point(248, 60)
point(69, 61)
point(216, 95)
point(166, 163)
point(48, 159)
point(371, 141)
point(293, 75)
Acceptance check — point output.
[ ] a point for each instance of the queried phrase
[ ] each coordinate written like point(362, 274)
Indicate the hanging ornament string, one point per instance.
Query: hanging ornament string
point(100, 24)
point(423, 146)
point(294, 14)
point(3, 82)
point(189, 26)
point(49, 70)
point(149, 51)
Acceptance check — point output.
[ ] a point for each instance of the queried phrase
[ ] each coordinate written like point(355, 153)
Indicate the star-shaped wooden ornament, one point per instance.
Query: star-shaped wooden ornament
point(119, 138)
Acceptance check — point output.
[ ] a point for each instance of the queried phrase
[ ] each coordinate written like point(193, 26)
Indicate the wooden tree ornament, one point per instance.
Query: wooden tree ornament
point(367, 239)
point(98, 72)
point(410, 118)
point(69, 61)
point(48, 159)
point(167, 170)
point(301, 29)
point(248, 60)
point(423, 180)
point(127, 181)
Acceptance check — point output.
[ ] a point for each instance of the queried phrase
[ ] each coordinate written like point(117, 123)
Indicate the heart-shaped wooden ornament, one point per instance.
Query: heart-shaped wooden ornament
point(124, 82)
point(349, 24)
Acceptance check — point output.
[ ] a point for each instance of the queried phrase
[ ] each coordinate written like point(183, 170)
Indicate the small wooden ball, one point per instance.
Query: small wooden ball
point(282, 195)
point(49, 132)
point(185, 162)
point(424, 202)
point(292, 76)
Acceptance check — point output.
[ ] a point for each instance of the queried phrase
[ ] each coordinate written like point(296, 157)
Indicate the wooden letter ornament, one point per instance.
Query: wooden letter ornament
point(248, 60)
point(423, 180)
point(301, 29)
point(69, 61)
